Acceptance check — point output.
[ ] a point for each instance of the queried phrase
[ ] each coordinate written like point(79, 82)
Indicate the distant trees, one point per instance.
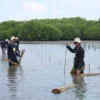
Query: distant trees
point(51, 29)
point(92, 33)
point(50, 32)
point(70, 32)
point(29, 31)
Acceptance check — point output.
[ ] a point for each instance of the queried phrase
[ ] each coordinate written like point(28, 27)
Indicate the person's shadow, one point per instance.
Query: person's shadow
point(80, 86)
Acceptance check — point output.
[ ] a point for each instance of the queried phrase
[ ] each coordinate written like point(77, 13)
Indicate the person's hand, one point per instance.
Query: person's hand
point(9, 60)
point(20, 56)
point(67, 44)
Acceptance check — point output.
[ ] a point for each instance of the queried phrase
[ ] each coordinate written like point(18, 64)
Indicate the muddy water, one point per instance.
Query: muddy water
point(42, 69)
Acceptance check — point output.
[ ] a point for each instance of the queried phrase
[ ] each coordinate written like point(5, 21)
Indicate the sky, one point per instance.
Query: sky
point(21, 10)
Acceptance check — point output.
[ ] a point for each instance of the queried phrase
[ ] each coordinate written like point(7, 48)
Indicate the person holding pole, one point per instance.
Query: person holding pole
point(79, 63)
point(12, 54)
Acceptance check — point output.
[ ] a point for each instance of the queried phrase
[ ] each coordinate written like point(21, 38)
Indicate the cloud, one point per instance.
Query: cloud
point(29, 10)
point(35, 7)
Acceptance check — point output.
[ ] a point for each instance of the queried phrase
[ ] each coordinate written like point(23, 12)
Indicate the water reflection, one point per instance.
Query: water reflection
point(24, 84)
point(80, 87)
point(12, 84)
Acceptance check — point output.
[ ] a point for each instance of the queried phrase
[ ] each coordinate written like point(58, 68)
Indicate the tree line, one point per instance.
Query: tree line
point(51, 29)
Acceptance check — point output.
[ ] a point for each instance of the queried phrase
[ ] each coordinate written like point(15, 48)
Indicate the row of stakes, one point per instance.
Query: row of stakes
point(60, 62)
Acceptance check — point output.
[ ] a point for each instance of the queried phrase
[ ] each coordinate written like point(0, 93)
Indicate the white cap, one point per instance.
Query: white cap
point(77, 40)
point(7, 40)
point(12, 38)
point(16, 38)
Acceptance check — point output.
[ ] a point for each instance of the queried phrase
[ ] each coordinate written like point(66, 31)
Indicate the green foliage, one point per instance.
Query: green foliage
point(30, 31)
point(51, 29)
point(3, 35)
point(70, 32)
point(50, 32)
point(92, 33)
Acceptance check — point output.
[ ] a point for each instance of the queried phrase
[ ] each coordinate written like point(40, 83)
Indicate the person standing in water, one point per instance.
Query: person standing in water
point(79, 63)
point(12, 54)
point(4, 45)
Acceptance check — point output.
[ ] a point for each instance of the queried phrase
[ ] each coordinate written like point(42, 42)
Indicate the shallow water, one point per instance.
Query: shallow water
point(42, 69)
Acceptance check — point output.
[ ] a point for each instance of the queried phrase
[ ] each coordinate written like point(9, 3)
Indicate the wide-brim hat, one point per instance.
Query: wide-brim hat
point(13, 38)
point(78, 40)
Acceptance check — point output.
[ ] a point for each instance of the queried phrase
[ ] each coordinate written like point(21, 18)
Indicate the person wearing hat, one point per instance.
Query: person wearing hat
point(4, 45)
point(17, 45)
point(79, 63)
point(12, 54)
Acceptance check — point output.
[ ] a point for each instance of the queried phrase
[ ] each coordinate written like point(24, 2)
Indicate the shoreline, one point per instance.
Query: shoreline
point(57, 42)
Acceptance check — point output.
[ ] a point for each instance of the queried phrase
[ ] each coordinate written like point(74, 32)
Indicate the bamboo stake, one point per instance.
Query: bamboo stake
point(14, 63)
point(67, 87)
point(99, 68)
point(22, 53)
point(91, 74)
point(89, 68)
point(63, 88)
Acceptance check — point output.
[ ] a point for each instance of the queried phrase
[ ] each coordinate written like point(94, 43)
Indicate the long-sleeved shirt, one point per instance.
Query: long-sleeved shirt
point(79, 56)
point(17, 46)
point(12, 54)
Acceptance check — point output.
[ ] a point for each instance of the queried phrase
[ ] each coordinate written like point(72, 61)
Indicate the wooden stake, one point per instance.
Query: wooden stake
point(22, 53)
point(67, 87)
point(63, 88)
point(10, 61)
point(91, 74)
point(89, 68)
point(99, 68)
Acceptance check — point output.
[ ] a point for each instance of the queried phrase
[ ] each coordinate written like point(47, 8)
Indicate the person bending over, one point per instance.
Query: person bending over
point(4, 45)
point(12, 54)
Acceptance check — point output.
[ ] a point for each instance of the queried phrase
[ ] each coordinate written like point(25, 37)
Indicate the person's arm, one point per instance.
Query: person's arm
point(6, 42)
point(18, 54)
point(69, 48)
point(18, 42)
point(18, 46)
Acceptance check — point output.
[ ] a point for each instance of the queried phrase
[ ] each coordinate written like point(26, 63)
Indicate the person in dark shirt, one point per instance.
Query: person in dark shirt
point(17, 45)
point(79, 63)
point(4, 45)
point(12, 54)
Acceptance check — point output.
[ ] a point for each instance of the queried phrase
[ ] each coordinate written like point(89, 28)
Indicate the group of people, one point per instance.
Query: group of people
point(13, 51)
point(12, 48)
